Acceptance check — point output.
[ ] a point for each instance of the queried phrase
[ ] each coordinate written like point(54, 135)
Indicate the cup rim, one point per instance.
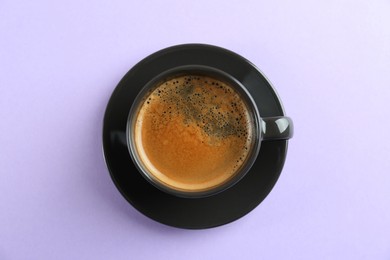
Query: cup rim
point(209, 71)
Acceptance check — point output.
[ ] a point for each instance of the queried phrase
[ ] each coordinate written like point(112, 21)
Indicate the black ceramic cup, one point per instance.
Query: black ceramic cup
point(260, 129)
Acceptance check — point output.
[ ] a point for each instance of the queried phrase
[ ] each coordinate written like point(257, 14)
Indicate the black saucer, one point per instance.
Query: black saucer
point(216, 210)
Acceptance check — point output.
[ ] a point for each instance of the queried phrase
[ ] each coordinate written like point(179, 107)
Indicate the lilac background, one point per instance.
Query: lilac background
point(60, 61)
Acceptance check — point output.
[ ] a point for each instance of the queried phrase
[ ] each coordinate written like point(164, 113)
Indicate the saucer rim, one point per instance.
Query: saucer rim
point(143, 64)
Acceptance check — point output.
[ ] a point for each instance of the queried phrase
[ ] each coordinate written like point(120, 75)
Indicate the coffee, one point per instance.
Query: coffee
point(193, 132)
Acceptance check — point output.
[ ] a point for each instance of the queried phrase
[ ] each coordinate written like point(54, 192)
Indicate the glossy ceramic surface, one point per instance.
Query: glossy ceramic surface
point(193, 213)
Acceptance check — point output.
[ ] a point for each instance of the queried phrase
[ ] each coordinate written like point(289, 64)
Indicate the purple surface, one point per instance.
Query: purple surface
point(60, 61)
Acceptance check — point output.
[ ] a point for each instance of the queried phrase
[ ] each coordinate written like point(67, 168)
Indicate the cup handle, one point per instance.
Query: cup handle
point(276, 128)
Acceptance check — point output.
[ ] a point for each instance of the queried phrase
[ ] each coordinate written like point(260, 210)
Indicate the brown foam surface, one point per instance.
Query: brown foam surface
point(193, 132)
